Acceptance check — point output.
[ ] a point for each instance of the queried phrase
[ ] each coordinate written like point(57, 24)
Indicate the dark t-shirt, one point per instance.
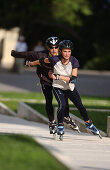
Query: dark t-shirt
point(43, 69)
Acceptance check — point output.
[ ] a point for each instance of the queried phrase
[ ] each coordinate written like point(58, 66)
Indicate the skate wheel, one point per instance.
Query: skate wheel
point(61, 137)
point(100, 136)
point(78, 131)
point(54, 135)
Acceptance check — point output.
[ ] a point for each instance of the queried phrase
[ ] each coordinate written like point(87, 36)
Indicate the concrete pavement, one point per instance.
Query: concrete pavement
point(77, 151)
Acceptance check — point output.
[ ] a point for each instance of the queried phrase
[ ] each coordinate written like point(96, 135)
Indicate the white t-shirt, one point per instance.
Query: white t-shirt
point(64, 70)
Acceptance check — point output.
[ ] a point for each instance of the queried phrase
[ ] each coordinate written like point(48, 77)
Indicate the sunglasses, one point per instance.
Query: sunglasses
point(53, 47)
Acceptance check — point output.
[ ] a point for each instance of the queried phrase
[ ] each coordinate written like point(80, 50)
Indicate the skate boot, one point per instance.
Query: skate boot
point(93, 129)
point(52, 127)
point(60, 131)
point(71, 123)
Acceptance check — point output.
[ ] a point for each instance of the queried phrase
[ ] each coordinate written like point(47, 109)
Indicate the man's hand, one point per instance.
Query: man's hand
point(51, 75)
point(13, 53)
point(28, 63)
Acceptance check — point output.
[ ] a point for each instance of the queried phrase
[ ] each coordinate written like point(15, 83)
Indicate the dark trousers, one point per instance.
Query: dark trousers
point(74, 96)
point(48, 93)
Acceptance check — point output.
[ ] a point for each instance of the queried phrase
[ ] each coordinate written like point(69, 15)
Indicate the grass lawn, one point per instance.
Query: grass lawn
point(36, 101)
point(11, 99)
point(19, 152)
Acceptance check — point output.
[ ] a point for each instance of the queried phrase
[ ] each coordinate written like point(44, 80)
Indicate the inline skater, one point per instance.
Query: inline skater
point(64, 75)
point(52, 44)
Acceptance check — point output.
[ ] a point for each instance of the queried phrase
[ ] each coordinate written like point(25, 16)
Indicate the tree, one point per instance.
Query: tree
point(99, 35)
point(69, 11)
point(85, 22)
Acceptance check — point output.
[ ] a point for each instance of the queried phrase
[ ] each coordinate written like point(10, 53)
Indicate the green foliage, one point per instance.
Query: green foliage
point(85, 22)
point(69, 10)
point(102, 60)
point(21, 13)
point(98, 36)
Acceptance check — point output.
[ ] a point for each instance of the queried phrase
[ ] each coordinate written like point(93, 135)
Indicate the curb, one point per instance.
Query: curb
point(6, 111)
point(26, 112)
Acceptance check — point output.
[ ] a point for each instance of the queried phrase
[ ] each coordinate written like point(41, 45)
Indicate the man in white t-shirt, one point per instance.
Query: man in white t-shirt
point(64, 77)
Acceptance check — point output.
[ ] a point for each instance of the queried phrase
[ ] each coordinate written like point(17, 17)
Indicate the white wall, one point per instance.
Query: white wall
point(10, 39)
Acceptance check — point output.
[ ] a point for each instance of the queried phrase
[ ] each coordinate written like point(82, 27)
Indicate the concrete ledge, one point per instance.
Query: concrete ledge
point(26, 112)
point(6, 111)
point(108, 126)
point(81, 125)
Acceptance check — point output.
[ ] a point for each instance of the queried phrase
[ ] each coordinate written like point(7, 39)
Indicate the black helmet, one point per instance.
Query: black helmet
point(52, 41)
point(66, 44)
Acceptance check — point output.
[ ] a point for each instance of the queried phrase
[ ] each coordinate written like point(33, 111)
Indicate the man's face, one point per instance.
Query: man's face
point(53, 50)
point(66, 53)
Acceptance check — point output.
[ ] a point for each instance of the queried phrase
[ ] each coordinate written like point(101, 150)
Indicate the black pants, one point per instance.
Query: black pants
point(48, 93)
point(74, 96)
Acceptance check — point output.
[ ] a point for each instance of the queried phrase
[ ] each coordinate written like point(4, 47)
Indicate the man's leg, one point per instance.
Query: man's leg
point(47, 91)
point(75, 98)
point(59, 95)
point(67, 119)
point(66, 113)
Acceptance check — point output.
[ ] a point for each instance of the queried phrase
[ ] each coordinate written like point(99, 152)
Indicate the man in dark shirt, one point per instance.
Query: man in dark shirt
point(52, 44)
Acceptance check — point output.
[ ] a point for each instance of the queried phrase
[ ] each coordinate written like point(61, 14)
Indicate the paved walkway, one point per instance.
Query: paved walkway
point(76, 151)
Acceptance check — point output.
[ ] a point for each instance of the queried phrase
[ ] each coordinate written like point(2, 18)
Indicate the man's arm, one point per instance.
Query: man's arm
point(75, 72)
point(71, 79)
point(34, 63)
point(28, 55)
point(37, 62)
